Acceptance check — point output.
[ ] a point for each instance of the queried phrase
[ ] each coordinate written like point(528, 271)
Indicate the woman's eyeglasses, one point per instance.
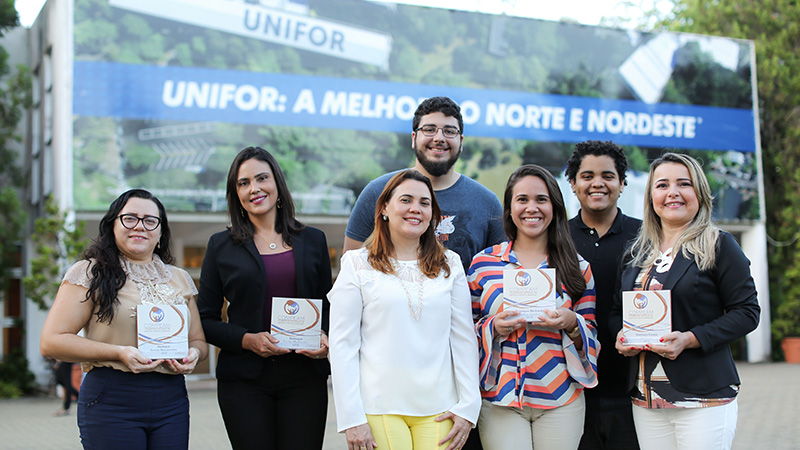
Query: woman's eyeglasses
point(130, 221)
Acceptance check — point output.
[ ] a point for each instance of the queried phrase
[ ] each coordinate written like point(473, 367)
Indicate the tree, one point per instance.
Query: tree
point(774, 25)
point(56, 243)
point(15, 97)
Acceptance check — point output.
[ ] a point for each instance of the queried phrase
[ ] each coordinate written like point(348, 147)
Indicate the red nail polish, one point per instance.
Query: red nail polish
point(661, 340)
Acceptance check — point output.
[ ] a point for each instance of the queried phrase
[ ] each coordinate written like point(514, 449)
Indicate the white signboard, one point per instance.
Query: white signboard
point(272, 25)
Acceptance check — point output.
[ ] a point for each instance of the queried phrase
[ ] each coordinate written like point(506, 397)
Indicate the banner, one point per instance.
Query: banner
point(175, 93)
point(166, 92)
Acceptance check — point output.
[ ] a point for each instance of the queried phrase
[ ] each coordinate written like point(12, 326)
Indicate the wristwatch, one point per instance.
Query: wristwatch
point(575, 332)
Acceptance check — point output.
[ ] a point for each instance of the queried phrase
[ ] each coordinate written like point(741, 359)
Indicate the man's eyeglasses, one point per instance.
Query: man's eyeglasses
point(130, 221)
point(431, 130)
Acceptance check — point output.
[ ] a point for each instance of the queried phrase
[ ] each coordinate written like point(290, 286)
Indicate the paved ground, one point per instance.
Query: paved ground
point(769, 410)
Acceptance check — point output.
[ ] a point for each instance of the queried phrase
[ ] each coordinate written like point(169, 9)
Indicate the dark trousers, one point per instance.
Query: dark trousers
point(473, 441)
point(64, 378)
point(282, 409)
point(136, 411)
point(608, 425)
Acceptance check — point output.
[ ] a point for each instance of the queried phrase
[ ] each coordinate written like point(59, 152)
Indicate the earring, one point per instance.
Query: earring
point(158, 245)
point(385, 219)
point(278, 203)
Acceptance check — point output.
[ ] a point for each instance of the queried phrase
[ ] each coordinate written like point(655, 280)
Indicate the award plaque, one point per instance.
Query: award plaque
point(529, 291)
point(646, 316)
point(163, 331)
point(297, 322)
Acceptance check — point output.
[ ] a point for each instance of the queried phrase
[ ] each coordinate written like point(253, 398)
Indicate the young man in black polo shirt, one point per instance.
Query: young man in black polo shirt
point(596, 171)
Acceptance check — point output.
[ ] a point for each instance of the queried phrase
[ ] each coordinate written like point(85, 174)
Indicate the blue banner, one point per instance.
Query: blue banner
point(194, 94)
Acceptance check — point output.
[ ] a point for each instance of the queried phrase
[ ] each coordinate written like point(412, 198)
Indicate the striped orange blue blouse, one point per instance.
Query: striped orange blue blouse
point(536, 366)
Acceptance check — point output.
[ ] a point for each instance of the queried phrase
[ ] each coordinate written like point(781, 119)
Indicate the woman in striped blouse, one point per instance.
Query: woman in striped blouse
point(532, 374)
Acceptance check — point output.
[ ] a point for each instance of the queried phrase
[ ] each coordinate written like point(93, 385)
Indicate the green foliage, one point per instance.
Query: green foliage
point(8, 16)
point(56, 243)
point(774, 25)
point(98, 165)
point(787, 320)
point(15, 377)
point(15, 96)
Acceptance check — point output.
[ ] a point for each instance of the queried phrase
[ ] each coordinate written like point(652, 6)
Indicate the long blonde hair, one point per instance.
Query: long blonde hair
point(698, 241)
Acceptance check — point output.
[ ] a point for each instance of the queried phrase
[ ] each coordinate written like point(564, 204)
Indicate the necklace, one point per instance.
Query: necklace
point(415, 312)
point(664, 261)
point(271, 245)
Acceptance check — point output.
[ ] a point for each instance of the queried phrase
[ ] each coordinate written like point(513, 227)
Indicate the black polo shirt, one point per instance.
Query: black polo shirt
point(605, 256)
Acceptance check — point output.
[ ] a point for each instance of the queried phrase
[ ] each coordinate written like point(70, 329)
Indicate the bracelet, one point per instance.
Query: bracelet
point(575, 332)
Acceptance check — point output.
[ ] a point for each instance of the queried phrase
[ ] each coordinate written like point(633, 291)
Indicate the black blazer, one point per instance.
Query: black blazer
point(718, 306)
point(236, 273)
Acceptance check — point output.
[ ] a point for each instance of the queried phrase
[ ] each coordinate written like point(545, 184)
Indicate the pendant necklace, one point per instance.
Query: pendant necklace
point(271, 245)
point(415, 312)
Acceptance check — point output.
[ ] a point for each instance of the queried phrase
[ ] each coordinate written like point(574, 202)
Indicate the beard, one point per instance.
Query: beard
point(439, 167)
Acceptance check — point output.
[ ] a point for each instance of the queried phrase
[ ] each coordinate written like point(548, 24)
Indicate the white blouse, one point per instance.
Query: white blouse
point(386, 361)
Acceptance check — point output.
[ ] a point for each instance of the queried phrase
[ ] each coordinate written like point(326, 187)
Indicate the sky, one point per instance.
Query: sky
point(583, 11)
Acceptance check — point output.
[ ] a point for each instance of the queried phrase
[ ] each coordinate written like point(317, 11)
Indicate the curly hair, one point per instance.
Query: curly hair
point(108, 277)
point(597, 148)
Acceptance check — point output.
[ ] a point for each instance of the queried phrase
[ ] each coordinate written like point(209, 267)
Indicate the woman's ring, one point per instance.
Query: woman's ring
point(510, 329)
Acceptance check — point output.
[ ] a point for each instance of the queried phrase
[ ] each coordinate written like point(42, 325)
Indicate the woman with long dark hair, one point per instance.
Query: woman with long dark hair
point(403, 350)
point(532, 374)
point(126, 400)
point(270, 397)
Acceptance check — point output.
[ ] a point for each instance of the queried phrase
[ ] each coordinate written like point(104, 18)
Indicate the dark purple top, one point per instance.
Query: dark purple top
point(279, 268)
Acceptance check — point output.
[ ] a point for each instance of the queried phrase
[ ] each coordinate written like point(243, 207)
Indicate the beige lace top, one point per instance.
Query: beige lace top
point(152, 283)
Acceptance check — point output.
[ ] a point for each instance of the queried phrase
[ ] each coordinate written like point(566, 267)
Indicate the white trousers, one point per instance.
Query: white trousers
point(686, 428)
point(503, 428)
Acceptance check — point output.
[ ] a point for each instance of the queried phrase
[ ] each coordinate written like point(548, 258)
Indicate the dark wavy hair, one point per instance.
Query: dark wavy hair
point(561, 253)
point(242, 228)
point(107, 274)
point(597, 148)
point(432, 259)
point(443, 105)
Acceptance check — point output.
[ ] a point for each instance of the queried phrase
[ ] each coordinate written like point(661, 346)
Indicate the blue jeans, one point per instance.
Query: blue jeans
point(136, 411)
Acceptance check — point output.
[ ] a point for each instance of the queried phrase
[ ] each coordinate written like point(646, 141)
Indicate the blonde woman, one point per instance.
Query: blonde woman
point(684, 391)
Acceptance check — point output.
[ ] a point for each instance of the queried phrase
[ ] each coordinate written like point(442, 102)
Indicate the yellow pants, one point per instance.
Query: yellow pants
point(392, 432)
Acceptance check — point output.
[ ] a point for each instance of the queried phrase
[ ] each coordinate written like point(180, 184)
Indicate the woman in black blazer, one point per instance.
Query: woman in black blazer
point(270, 397)
point(684, 390)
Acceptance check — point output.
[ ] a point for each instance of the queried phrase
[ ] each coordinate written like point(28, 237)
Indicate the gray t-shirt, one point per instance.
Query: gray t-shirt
point(471, 216)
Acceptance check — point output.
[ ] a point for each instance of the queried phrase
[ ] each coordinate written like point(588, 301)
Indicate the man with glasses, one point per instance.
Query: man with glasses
point(471, 214)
